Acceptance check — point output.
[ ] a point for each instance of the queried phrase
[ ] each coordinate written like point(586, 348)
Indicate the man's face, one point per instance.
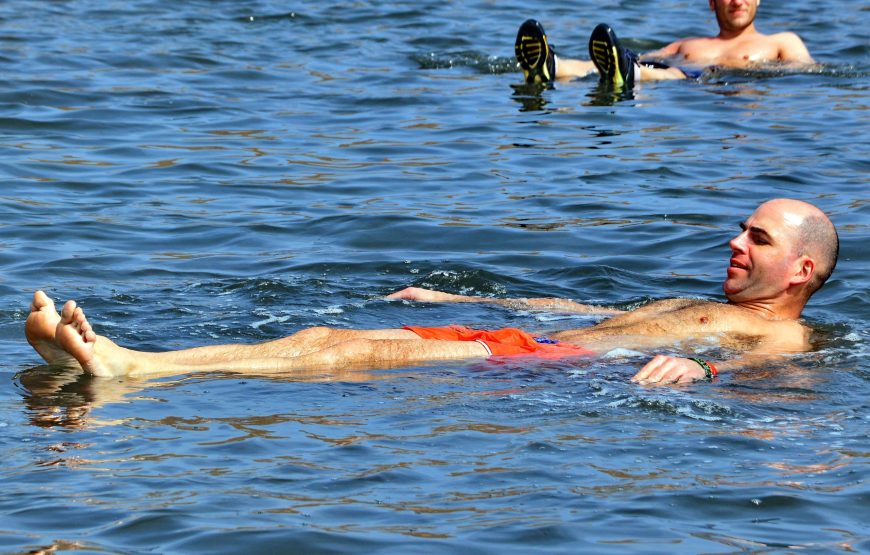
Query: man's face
point(734, 15)
point(764, 255)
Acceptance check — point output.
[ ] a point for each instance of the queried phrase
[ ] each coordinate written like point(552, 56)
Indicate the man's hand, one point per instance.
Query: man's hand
point(427, 295)
point(668, 370)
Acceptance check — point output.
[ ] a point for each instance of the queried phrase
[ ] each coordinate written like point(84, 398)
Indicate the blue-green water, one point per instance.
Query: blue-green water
point(202, 172)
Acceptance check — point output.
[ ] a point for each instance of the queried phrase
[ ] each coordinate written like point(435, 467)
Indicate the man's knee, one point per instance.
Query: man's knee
point(352, 351)
point(318, 333)
point(303, 341)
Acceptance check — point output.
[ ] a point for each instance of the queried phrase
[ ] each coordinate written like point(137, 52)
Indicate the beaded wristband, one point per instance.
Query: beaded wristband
point(710, 370)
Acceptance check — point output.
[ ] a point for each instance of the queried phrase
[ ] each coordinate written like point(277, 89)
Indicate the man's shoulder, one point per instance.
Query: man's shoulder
point(785, 35)
point(784, 334)
point(783, 38)
point(790, 47)
point(787, 333)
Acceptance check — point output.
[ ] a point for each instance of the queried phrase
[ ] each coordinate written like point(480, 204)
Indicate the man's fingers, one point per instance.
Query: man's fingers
point(666, 369)
point(673, 375)
point(663, 373)
point(649, 368)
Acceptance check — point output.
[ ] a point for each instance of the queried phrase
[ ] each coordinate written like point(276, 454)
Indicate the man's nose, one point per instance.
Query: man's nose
point(738, 243)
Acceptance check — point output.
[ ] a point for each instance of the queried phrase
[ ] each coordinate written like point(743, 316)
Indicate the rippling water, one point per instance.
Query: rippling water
point(201, 172)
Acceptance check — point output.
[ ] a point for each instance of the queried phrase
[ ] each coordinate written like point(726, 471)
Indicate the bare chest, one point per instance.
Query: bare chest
point(729, 53)
point(692, 320)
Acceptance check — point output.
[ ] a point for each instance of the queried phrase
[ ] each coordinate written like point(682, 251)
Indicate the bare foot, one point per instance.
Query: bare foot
point(74, 335)
point(40, 329)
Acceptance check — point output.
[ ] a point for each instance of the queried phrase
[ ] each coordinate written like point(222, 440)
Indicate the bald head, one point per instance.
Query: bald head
point(815, 237)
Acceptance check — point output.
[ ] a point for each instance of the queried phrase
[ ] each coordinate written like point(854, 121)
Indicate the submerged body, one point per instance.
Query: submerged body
point(658, 324)
point(785, 252)
point(738, 45)
point(742, 51)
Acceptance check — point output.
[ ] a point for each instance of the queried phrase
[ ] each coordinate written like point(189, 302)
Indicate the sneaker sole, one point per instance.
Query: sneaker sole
point(533, 51)
point(604, 51)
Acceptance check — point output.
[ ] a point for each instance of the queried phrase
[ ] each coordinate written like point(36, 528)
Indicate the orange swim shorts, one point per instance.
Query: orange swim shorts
point(503, 342)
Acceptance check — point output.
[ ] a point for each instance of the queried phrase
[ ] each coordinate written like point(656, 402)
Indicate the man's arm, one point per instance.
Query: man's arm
point(551, 304)
point(668, 51)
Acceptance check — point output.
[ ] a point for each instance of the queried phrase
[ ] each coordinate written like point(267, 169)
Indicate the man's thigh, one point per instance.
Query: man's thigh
point(396, 352)
point(394, 333)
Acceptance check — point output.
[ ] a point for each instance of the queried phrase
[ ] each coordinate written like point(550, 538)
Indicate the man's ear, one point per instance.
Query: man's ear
point(805, 270)
point(712, 5)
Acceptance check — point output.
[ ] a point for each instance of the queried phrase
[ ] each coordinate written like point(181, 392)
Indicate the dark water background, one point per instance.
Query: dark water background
point(200, 172)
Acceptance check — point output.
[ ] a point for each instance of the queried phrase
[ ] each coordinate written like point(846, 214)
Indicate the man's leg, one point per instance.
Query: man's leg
point(100, 356)
point(300, 343)
point(615, 64)
point(538, 60)
point(42, 324)
point(567, 68)
point(666, 73)
point(621, 67)
point(576, 69)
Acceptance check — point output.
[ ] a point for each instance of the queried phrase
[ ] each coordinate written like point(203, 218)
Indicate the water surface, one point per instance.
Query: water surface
point(206, 172)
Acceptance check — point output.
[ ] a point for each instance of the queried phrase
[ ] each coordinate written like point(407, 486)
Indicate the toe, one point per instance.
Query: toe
point(68, 312)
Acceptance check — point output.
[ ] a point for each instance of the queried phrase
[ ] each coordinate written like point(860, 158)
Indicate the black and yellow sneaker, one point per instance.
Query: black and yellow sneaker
point(615, 63)
point(534, 53)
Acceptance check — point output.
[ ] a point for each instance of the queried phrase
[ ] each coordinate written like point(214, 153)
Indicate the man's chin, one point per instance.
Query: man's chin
point(731, 293)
